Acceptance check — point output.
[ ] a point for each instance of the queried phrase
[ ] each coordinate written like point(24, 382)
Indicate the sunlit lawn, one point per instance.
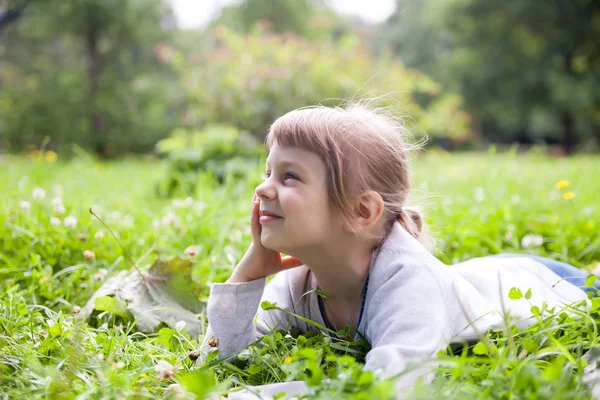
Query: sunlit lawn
point(476, 204)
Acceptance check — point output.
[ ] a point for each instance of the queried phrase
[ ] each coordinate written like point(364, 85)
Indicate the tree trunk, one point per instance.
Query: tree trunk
point(96, 120)
point(568, 140)
point(566, 118)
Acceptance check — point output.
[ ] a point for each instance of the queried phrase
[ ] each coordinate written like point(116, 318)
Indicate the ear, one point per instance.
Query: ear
point(368, 208)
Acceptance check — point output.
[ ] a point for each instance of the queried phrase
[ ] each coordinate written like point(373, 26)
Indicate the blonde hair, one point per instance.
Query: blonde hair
point(364, 148)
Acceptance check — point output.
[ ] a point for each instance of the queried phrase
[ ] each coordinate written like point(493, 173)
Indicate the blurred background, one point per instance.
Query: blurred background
point(203, 79)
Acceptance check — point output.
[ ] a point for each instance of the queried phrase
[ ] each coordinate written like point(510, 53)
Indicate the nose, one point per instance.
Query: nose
point(266, 190)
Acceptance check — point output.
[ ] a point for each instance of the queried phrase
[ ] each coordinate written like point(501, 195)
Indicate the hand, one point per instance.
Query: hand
point(260, 262)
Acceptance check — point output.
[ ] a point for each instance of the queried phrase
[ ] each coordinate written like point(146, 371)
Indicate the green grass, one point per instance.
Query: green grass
point(476, 204)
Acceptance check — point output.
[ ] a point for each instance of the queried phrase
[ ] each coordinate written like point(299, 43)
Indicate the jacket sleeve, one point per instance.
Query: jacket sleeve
point(231, 311)
point(232, 307)
point(408, 323)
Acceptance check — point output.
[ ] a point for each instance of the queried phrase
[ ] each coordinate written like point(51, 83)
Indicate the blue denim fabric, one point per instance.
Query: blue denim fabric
point(566, 271)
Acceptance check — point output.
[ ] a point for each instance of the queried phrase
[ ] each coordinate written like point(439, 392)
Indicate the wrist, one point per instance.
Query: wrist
point(238, 277)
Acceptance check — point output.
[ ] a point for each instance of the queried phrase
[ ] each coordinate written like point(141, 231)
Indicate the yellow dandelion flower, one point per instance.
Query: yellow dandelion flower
point(51, 156)
point(562, 184)
point(569, 196)
point(288, 360)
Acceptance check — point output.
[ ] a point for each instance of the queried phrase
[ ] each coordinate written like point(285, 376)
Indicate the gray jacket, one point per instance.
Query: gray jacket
point(415, 305)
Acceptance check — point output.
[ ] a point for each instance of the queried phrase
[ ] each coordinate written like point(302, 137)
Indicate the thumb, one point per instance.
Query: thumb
point(290, 262)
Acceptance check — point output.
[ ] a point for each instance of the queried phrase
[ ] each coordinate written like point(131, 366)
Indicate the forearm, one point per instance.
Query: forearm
point(231, 310)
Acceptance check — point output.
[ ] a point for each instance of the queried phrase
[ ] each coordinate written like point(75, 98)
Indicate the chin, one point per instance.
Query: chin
point(270, 242)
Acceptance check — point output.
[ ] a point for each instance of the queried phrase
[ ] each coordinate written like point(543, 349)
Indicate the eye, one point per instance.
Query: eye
point(265, 175)
point(289, 175)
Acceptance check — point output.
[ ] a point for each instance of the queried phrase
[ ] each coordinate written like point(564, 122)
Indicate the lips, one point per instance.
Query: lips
point(266, 216)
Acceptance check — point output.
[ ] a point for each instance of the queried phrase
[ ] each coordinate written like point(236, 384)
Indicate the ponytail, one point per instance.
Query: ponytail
point(412, 220)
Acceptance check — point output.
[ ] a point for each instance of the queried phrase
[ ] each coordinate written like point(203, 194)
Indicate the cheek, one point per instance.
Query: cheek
point(308, 211)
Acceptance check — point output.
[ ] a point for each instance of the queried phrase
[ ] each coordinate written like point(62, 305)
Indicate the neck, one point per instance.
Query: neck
point(340, 269)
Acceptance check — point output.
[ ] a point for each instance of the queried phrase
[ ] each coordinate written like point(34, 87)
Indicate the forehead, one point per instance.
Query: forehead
point(279, 154)
point(294, 155)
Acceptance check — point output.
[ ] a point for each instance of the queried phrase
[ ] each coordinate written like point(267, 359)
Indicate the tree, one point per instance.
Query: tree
point(524, 68)
point(308, 18)
point(86, 60)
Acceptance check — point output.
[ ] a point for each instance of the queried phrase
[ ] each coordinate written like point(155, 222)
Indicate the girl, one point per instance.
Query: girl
point(333, 199)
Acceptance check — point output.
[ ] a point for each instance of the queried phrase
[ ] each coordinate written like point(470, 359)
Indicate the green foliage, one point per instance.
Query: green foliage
point(221, 150)
point(251, 79)
point(165, 294)
point(85, 72)
point(307, 18)
point(475, 204)
point(526, 72)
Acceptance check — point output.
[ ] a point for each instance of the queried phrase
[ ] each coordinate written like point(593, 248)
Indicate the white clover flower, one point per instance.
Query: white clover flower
point(55, 221)
point(515, 199)
point(165, 370)
point(57, 190)
point(179, 393)
point(99, 235)
point(199, 207)
point(58, 206)
point(596, 270)
point(191, 251)
point(38, 194)
point(101, 274)
point(177, 203)
point(115, 216)
point(189, 201)
point(170, 219)
point(156, 223)
point(532, 240)
point(70, 222)
point(25, 205)
point(128, 221)
point(89, 255)
point(119, 365)
point(479, 194)
point(179, 325)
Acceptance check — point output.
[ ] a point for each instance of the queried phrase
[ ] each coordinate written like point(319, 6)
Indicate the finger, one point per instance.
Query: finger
point(254, 220)
point(290, 262)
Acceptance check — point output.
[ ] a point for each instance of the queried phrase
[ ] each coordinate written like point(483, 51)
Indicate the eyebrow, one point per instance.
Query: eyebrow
point(290, 164)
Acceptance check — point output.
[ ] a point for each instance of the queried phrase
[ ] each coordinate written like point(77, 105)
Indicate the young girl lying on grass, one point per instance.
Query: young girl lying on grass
point(333, 199)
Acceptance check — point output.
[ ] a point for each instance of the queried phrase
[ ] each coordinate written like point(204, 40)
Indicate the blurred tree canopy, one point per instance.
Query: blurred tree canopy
point(526, 70)
point(116, 76)
point(85, 72)
point(251, 79)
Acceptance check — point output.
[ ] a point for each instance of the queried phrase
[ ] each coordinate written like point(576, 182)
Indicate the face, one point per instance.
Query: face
point(295, 209)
